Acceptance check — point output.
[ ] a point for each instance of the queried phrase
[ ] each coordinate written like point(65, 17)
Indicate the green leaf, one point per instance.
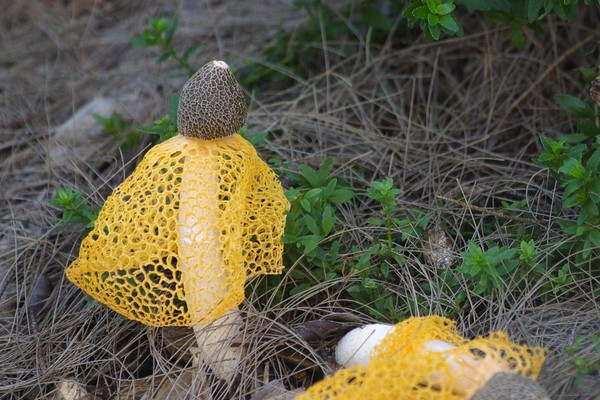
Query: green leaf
point(139, 41)
point(292, 194)
point(310, 243)
point(380, 186)
point(588, 129)
point(152, 129)
point(572, 201)
point(482, 285)
point(588, 210)
point(515, 33)
point(435, 32)
point(444, 9)
point(257, 138)
point(588, 74)
point(92, 218)
point(421, 12)
point(449, 23)
point(101, 120)
point(574, 105)
point(432, 5)
point(572, 187)
point(550, 145)
point(311, 224)
point(300, 288)
point(574, 168)
point(158, 24)
point(311, 176)
point(75, 209)
point(532, 9)
point(328, 221)
point(325, 170)
point(313, 194)
point(165, 56)
point(593, 163)
point(173, 107)
point(305, 204)
point(432, 19)
point(288, 238)
point(170, 28)
point(376, 221)
point(369, 283)
point(339, 196)
point(527, 248)
point(185, 55)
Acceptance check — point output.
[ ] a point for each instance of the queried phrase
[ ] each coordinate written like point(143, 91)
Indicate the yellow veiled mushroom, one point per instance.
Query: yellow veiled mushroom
point(427, 358)
point(175, 243)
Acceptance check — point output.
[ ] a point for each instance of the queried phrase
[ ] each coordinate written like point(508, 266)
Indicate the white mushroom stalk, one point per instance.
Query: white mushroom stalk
point(198, 231)
point(466, 372)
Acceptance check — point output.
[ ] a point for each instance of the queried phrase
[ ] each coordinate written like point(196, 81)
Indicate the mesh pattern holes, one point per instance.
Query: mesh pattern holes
point(405, 365)
point(175, 243)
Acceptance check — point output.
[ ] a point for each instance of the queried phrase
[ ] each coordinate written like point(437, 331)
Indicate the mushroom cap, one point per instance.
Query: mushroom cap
point(355, 347)
point(403, 367)
point(134, 261)
point(506, 386)
point(211, 103)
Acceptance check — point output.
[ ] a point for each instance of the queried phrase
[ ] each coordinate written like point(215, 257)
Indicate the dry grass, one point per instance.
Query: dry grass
point(459, 119)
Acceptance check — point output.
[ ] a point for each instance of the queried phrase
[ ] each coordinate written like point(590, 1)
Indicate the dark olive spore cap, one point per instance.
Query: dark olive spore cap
point(211, 104)
point(507, 386)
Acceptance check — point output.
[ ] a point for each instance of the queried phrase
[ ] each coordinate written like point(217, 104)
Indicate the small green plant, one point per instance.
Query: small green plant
point(376, 263)
point(433, 17)
point(160, 33)
point(313, 215)
point(585, 365)
point(116, 126)
point(166, 127)
point(489, 268)
point(561, 280)
point(382, 262)
point(574, 161)
point(386, 195)
point(75, 209)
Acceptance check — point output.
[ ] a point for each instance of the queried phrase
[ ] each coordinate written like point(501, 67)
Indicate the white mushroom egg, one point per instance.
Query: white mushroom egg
point(356, 346)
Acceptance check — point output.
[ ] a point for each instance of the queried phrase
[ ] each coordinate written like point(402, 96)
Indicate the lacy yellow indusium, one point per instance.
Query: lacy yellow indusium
point(175, 243)
point(402, 367)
